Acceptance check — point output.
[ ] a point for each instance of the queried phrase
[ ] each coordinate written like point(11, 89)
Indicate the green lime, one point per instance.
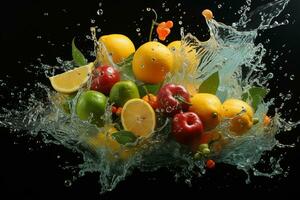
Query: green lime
point(91, 104)
point(122, 91)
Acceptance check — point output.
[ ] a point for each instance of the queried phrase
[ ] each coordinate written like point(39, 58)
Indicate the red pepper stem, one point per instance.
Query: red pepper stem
point(182, 100)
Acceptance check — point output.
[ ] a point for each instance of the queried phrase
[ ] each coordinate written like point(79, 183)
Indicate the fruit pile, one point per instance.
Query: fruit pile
point(132, 87)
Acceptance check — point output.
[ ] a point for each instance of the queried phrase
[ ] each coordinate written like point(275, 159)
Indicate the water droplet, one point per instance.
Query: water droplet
point(98, 30)
point(219, 6)
point(292, 77)
point(138, 29)
point(46, 14)
point(39, 37)
point(93, 21)
point(100, 12)
point(148, 9)
point(167, 9)
point(180, 22)
point(68, 183)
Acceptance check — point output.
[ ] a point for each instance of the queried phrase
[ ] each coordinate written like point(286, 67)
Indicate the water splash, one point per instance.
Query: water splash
point(231, 50)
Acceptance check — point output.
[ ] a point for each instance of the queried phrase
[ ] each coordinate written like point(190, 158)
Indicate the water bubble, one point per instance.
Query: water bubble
point(167, 9)
point(98, 30)
point(93, 21)
point(46, 14)
point(100, 4)
point(180, 22)
point(68, 183)
point(163, 5)
point(39, 37)
point(148, 9)
point(292, 77)
point(78, 24)
point(100, 12)
point(138, 29)
point(219, 6)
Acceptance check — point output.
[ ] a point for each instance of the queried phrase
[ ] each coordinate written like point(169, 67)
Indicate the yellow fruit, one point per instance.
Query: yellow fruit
point(151, 62)
point(240, 114)
point(184, 56)
point(208, 107)
point(105, 140)
point(117, 46)
point(138, 117)
point(70, 81)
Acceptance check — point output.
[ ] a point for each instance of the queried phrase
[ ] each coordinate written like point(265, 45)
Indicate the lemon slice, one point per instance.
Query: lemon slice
point(138, 117)
point(71, 81)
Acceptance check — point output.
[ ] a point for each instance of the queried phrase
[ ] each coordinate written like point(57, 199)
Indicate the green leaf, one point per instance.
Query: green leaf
point(78, 57)
point(149, 88)
point(256, 95)
point(124, 137)
point(126, 69)
point(211, 84)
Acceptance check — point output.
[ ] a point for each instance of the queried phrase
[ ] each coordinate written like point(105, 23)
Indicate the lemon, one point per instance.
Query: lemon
point(151, 62)
point(105, 140)
point(70, 81)
point(208, 107)
point(138, 117)
point(117, 46)
point(184, 56)
point(240, 114)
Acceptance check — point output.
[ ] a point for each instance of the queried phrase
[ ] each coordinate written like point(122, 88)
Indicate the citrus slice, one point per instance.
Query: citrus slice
point(138, 117)
point(70, 81)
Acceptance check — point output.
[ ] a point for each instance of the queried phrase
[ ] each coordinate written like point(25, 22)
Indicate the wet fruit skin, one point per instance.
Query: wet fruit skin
point(91, 104)
point(240, 114)
point(187, 127)
point(151, 62)
point(173, 99)
point(123, 91)
point(103, 79)
point(118, 46)
point(209, 108)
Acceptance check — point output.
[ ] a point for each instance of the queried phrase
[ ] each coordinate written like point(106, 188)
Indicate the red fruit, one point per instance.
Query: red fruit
point(173, 99)
point(104, 77)
point(210, 164)
point(187, 127)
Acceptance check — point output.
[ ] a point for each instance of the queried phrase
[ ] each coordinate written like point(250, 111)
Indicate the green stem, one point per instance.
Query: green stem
point(152, 25)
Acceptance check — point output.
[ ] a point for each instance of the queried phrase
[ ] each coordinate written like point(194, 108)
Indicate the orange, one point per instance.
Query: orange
point(240, 115)
point(116, 48)
point(184, 56)
point(152, 100)
point(151, 62)
point(208, 107)
point(138, 117)
point(70, 81)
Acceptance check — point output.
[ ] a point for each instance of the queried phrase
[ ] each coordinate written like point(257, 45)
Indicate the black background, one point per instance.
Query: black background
point(35, 29)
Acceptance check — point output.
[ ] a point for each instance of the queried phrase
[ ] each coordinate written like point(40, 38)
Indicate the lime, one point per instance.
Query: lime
point(91, 104)
point(122, 91)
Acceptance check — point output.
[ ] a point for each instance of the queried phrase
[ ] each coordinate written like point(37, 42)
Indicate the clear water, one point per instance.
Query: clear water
point(231, 50)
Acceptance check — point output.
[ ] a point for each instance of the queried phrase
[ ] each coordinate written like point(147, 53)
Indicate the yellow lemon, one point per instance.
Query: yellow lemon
point(117, 46)
point(70, 81)
point(151, 62)
point(208, 107)
point(240, 114)
point(104, 140)
point(184, 56)
point(138, 117)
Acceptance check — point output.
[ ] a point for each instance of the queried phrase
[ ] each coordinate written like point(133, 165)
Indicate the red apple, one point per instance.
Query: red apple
point(103, 78)
point(187, 127)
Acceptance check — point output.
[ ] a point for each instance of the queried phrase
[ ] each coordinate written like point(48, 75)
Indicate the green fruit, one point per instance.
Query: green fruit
point(91, 104)
point(122, 91)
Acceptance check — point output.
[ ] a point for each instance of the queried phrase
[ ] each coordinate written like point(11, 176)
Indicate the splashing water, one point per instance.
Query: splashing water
point(230, 50)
